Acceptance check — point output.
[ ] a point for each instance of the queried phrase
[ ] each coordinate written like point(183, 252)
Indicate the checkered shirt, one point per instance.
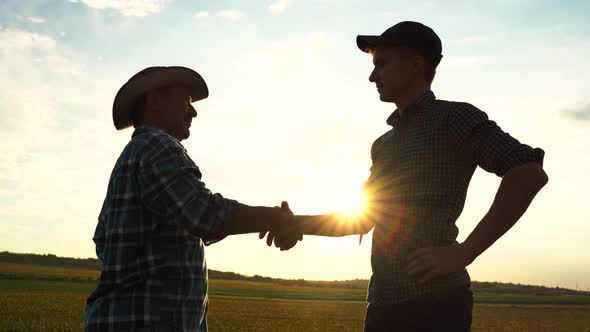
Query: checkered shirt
point(418, 184)
point(155, 218)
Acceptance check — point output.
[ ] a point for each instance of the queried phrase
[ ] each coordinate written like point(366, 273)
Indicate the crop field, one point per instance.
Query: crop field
point(50, 304)
point(23, 310)
point(28, 271)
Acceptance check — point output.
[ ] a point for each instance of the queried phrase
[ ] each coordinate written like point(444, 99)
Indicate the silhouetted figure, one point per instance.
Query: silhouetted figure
point(419, 178)
point(157, 213)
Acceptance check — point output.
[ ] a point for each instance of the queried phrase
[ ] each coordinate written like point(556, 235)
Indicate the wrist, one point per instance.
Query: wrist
point(274, 218)
point(468, 252)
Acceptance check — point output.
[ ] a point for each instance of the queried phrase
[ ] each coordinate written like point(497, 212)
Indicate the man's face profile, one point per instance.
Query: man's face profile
point(174, 111)
point(392, 73)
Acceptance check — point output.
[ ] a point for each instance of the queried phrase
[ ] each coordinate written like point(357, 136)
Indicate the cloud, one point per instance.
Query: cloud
point(201, 14)
point(35, 19)
point(581, 113)
point(49, 129)
point(21, 46)
point(280, 6)
point(301, 87)
point(128, 7)
point(31, 83)
point(295, 70)
point(230, 14)
point(288, 65)
point(10, 228)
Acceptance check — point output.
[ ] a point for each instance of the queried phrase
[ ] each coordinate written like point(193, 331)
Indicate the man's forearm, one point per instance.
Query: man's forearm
point(331, 224)
point(253, 219)
point(516, 192)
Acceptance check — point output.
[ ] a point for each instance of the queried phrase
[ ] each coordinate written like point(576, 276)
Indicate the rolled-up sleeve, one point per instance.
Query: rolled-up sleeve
point(171, 187)
point(490, 147)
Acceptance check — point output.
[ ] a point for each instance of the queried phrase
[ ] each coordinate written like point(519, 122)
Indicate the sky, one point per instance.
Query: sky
point(291, 116)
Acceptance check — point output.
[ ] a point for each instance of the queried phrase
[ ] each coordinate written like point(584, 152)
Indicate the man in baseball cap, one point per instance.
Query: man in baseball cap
point(419, 179)
point(158, 214)
point(417, 187)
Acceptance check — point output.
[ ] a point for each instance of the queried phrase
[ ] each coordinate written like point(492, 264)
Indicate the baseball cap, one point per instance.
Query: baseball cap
point(414, 35)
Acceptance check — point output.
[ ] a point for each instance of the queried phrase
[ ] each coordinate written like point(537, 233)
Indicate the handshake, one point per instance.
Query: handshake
point(284, 231)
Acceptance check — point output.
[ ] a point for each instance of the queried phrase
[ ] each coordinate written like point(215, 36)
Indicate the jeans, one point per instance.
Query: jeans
point(451, 312)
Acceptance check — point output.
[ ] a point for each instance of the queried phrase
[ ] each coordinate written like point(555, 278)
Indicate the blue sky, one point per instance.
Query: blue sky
point(291, 116)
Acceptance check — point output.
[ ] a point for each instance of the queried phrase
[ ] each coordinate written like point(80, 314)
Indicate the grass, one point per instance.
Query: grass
point(53, 310)
point(239, 288)
point(37, 298)
point(29, 271)
point(48, 285)
point(41, 310)
point(269, 290)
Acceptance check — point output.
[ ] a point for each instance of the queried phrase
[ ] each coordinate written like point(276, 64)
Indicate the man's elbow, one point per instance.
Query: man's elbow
point(540, 177)
point(533, 175)
point(544, 178)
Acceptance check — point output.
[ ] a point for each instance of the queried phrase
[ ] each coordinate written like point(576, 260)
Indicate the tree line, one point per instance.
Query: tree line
point(94, 264)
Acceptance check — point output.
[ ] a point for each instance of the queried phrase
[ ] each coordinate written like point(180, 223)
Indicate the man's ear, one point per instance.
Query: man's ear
point(152, 101)
point(418, 64)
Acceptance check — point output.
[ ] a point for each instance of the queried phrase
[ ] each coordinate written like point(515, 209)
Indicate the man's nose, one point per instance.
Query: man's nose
point(373, 77)
point(192, 111)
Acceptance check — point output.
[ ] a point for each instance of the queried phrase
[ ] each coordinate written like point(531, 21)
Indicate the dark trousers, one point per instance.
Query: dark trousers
point(450, 312)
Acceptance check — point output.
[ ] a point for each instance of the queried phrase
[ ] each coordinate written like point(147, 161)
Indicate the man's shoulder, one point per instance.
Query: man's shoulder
point(456, 113)
point(380, 141)
point(450, 105)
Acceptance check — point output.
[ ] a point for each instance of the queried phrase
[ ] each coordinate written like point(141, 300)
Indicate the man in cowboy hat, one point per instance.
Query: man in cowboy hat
point(417, 188)
point(157, 213)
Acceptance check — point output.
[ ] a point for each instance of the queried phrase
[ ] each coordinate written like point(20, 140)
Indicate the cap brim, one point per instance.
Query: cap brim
point(167, 76)
point(365, 43)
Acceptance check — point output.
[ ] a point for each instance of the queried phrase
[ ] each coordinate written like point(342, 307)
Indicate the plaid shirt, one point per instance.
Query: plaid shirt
point(419, 178)
point(156, 215)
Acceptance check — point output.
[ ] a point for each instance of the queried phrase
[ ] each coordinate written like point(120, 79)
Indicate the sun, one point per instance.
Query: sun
point(348, 201)
point(336, 187)
point(352, 205)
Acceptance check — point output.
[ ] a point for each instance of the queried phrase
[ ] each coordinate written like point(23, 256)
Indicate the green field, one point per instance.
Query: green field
point(33, 298)
point(40, 310)
point(238, 288)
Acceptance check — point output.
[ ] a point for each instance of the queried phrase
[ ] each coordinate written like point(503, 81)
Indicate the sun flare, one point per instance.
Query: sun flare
point(335, 187)
point(352, 205)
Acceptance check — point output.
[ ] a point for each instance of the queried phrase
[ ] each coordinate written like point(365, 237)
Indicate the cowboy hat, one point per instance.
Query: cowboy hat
point(153, 78)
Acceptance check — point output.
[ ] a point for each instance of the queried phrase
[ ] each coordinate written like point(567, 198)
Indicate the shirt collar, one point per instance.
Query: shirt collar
point(151, 129)
point(146, 129)
point(424, 102)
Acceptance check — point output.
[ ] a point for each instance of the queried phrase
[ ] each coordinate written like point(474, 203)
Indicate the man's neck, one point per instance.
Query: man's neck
point(406, 100)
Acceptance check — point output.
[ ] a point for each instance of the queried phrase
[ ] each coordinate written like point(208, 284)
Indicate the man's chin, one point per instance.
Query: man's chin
point(186, 134)
point(182, 134)
point(385, 99)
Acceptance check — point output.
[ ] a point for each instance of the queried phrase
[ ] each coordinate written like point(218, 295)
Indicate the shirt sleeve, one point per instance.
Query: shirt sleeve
point(171, 187)
point(99, 232)
point(378, 186)
point(488, 145)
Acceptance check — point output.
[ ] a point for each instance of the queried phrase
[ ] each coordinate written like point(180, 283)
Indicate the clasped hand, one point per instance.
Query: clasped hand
point(429, 263)
point(284, 235)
